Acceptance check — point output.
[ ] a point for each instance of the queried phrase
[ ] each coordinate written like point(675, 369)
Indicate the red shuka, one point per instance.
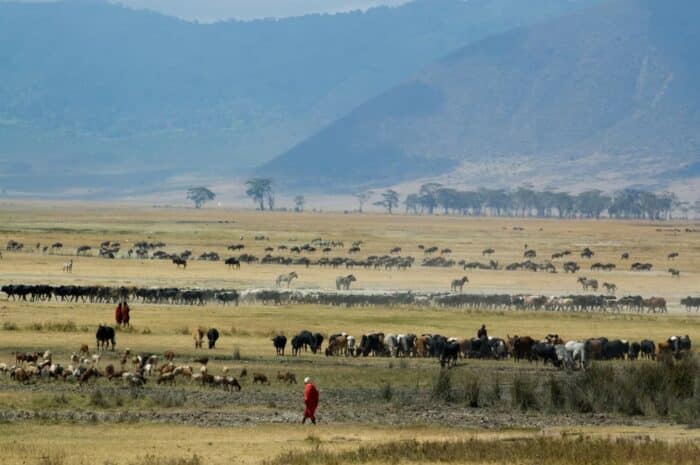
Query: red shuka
point(311, 400)
point(118, 314)
point(125, 313)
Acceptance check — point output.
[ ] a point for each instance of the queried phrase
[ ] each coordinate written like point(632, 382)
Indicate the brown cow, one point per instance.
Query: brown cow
point(522, 347)
point(287, 377)
point(260, 378)
point(198, 336)
point(422, 346)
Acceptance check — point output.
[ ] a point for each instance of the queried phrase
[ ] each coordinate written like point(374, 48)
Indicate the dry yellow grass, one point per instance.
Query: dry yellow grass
point(248, 328)
point(122, 444)
point(214, 229)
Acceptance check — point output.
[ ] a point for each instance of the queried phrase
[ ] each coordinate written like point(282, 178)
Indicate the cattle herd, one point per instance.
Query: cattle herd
point(551, 349)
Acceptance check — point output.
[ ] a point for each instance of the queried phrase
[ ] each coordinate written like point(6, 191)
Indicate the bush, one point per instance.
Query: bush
point(442, 387)
point(169, 398)
point(386, 392)
point(471, 391)
point(9, 326)
point(495, 392)
point(154, 460)
point(524, 392)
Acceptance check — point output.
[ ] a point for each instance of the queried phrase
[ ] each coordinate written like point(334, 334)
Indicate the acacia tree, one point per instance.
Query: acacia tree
point(390, 200)
point(362, 198)
point(259, 190)
point(299, 202)
point(200, 195)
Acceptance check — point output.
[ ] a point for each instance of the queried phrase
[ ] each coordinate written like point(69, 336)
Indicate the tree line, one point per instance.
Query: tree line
point(528, 202)
point(524, 201)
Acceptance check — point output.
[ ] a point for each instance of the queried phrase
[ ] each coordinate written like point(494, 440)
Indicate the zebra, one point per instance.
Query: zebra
point(286, 278)
point(343, 282)
point(610, 288)
point(459, 283)
point(586, 283)
point(68, 266)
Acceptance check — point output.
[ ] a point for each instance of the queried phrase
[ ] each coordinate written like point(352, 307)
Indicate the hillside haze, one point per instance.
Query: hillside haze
point(97, 98)
point(610, 89)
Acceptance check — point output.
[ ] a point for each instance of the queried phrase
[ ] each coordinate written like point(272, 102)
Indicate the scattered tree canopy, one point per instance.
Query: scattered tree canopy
point(200, 195)
point(390, 200)
point(261, 190)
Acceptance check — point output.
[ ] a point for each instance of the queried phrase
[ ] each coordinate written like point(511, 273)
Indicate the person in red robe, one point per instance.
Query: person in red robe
point(310, 400)
point(118, 315)
point(125, 313)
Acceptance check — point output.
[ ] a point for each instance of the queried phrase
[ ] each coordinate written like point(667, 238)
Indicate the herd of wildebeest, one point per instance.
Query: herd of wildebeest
point(176, 296)
point(434, 256)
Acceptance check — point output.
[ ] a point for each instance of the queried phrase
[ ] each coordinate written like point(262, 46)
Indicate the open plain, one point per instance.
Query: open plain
point(367, 402)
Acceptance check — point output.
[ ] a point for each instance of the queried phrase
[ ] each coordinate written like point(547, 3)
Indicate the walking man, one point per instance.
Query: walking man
point(310, 400)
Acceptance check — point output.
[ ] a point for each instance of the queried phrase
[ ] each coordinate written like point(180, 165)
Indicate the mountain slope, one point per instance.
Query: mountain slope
point(96, 90)
point(615, 83)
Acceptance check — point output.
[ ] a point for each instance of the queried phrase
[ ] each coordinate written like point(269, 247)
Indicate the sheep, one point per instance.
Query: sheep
point(168, 377)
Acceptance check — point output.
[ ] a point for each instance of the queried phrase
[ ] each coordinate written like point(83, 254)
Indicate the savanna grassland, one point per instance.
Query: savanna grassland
point(372, 408)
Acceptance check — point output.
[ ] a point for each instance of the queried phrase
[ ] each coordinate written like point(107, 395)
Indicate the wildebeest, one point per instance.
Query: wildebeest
point(487, 252)
point(672, 256)
point(212, 337)
point(105, 337)
point(180, 262)
point(233, 262)
point(280, 343)
point(676, 273)
point(691, 303)
point(587, 253)
point(260, 378)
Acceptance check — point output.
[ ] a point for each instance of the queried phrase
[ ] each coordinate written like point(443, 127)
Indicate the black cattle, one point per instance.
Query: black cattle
point(635, 349)
point(436, 344)
point(615, 350)
point(212, 337)
point(546, 353)
point(371, 344)
point(105, 337)
point(303, 340)
point(449, 354)
point(317, 342)
point(680, 343)
point(280, 342)
point(648, 349)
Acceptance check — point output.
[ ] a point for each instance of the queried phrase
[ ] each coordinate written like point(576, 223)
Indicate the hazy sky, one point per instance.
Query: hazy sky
point(213, 10)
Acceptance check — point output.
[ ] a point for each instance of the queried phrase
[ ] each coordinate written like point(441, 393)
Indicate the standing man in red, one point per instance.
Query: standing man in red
point(310, 400)
point(125, 313)
point(118, 315)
